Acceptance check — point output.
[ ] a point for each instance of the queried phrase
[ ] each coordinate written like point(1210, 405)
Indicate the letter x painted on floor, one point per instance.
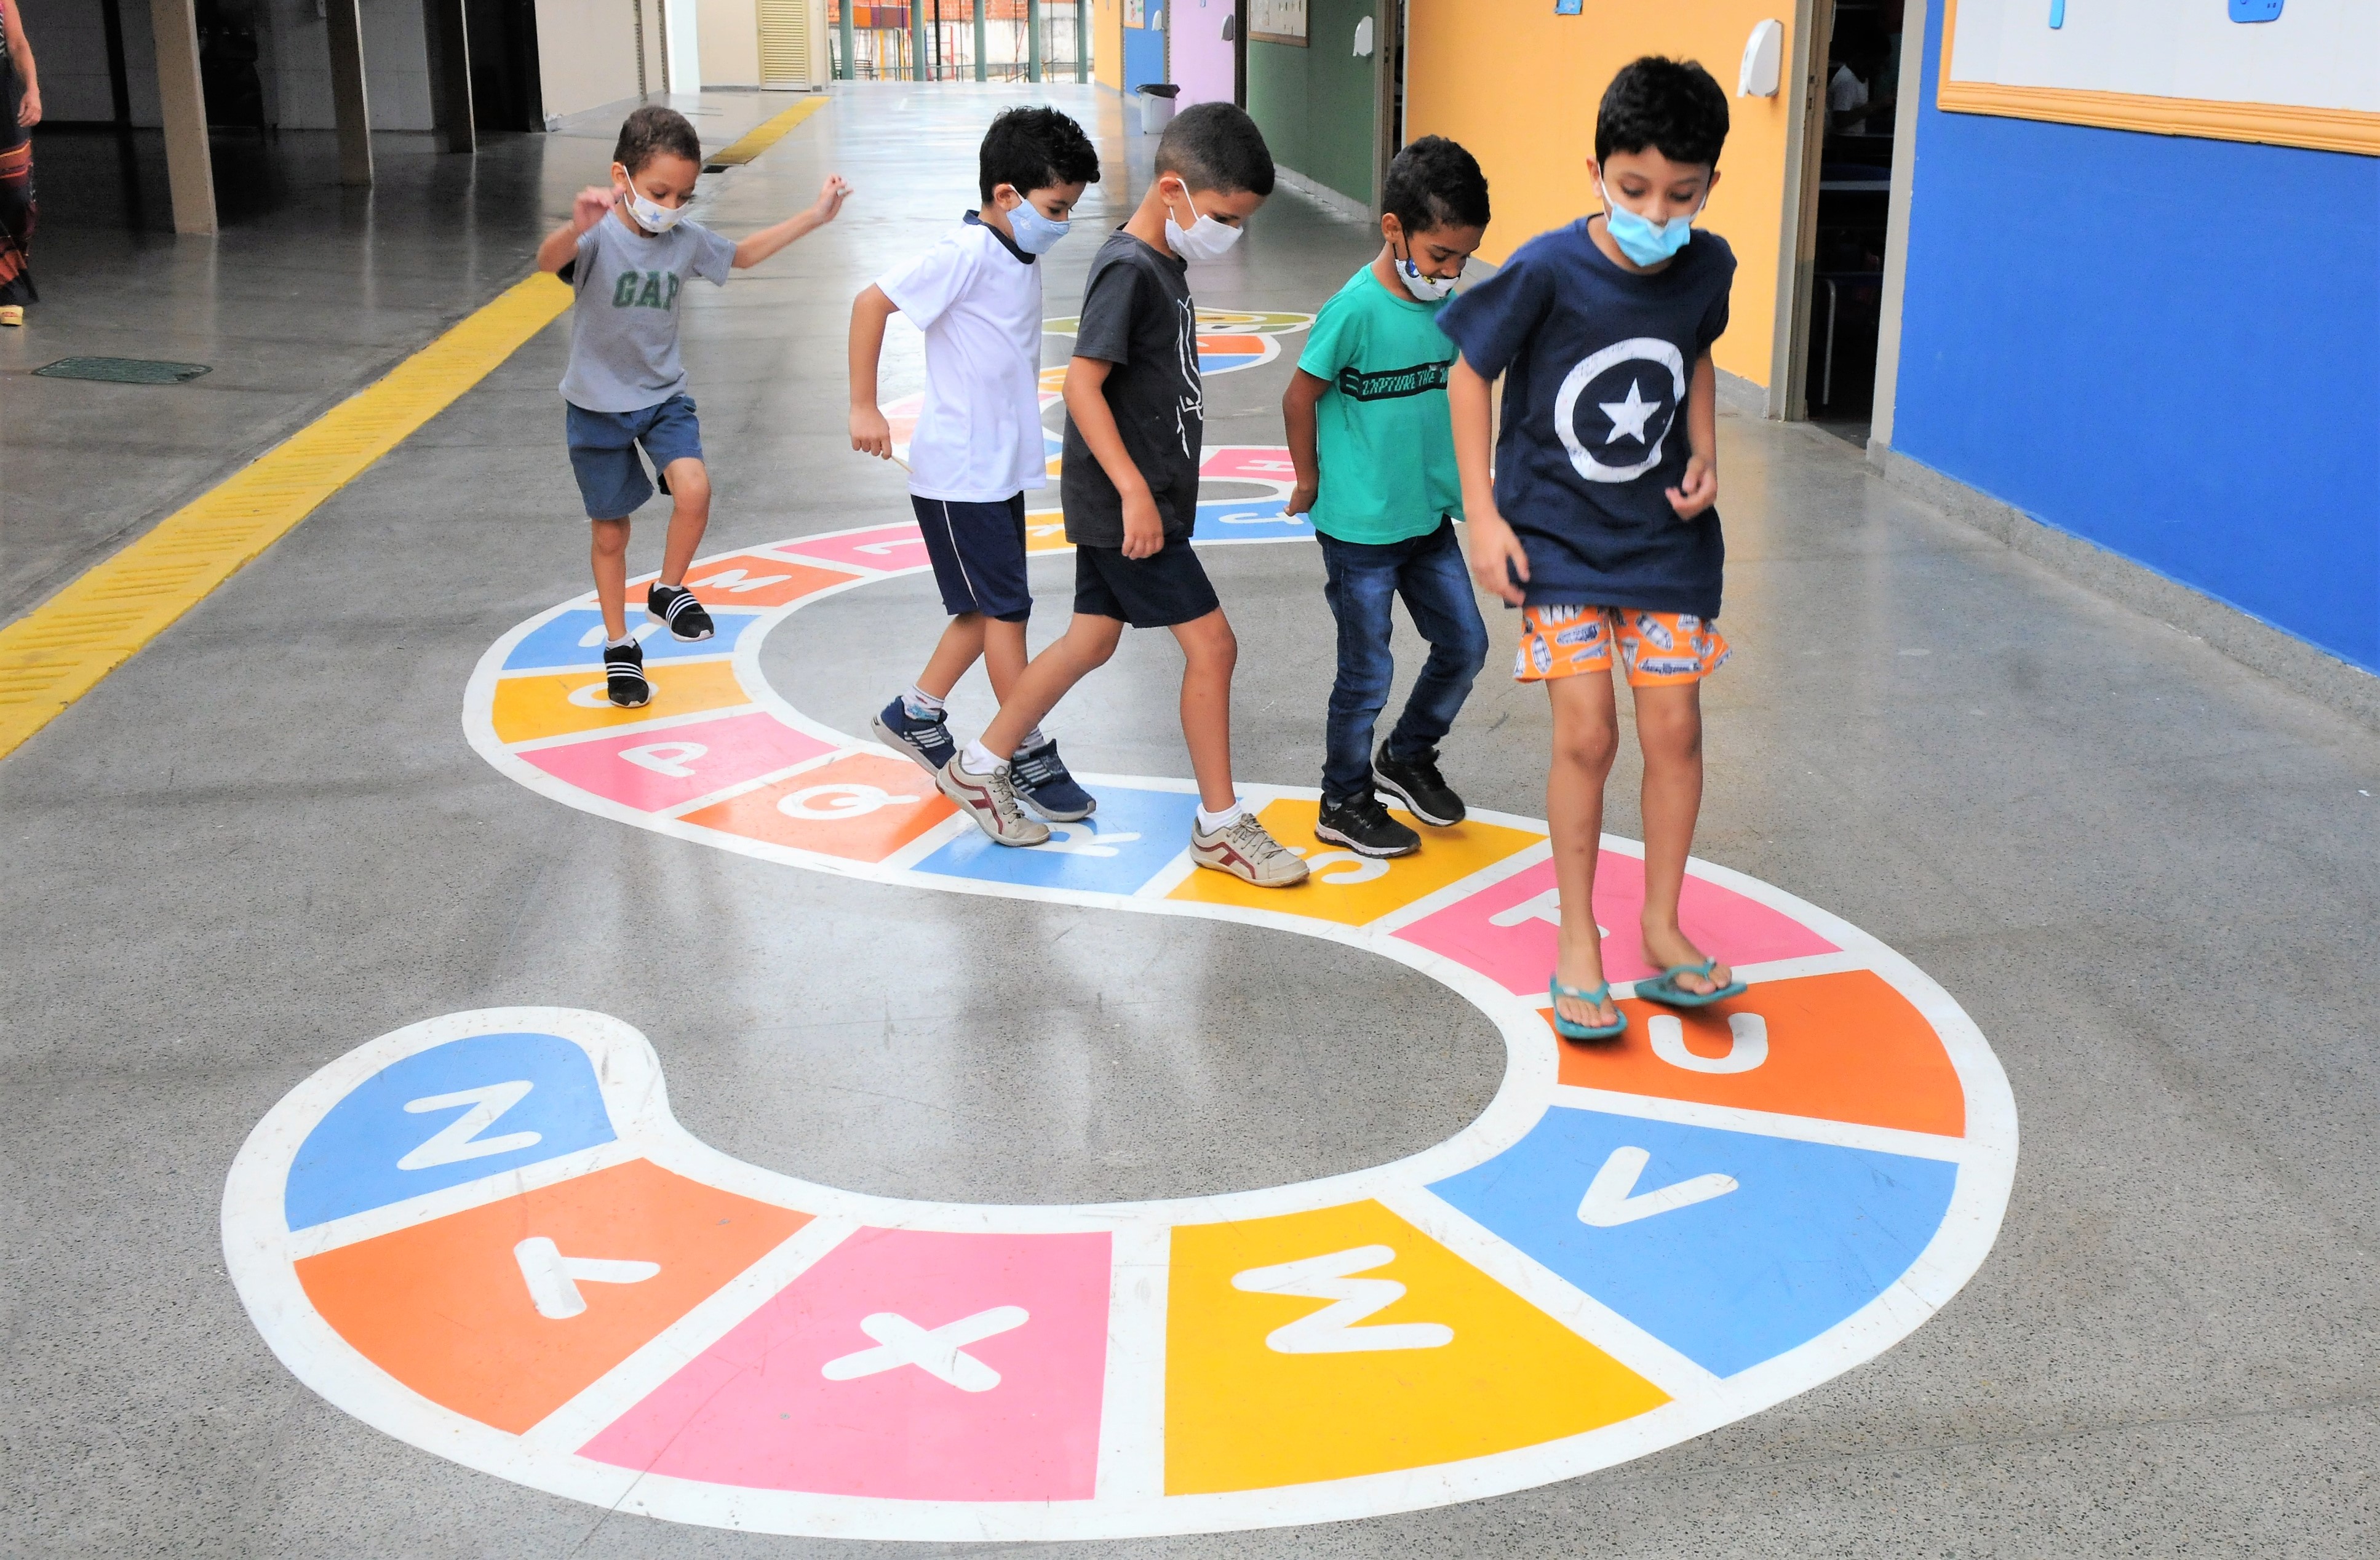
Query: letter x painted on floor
point(936, 1352)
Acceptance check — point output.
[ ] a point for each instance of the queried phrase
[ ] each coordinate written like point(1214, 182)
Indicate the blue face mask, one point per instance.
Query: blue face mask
point(1640, 237)
point(1035, 234)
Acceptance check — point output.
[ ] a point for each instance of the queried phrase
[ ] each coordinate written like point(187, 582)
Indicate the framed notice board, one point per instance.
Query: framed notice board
point(1277, 22)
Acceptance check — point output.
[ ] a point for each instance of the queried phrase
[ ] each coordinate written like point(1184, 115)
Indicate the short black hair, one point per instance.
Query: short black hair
point(1671, 106)
point(1035, 148)
point(654, 128)
point(1215, 146)
point(1435, 183)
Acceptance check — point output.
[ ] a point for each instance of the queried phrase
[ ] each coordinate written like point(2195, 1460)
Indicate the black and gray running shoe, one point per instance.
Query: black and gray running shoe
point(624, 675)
point(676, 605)
point(1364, 826)
point(1043, 783)
point(1417, 782)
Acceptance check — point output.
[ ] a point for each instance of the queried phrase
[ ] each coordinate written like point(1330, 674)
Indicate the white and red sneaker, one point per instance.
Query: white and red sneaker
point(991, 800)
point(1243, 849)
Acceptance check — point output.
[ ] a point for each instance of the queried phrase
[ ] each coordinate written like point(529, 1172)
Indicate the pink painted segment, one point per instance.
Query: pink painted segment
point(655, 769)
point(759, 1410)
point(1248, 463)
point(1521, 954)
point(886, 547)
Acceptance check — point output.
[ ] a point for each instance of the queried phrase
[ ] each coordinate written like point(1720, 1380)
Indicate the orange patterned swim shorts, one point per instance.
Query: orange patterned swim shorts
point(1658, 648)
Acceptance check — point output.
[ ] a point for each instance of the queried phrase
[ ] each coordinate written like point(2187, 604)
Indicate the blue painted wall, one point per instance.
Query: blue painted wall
point(1144, 49)
point(2169, 347)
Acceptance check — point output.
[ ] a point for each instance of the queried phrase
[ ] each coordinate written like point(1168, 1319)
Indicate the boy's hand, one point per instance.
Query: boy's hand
point(1699, 490)
point(1301, 499)
point(870, 434)
point(1144, 530)
point(831, 198)
point(591, 206)
point(1496, 557)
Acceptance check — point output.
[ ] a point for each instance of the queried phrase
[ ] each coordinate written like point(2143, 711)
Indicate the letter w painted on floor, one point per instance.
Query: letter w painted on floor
point(1332, 1329)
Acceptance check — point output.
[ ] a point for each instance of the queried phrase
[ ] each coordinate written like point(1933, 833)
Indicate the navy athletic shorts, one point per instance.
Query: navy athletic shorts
point(979, 556)
point(1167, 588)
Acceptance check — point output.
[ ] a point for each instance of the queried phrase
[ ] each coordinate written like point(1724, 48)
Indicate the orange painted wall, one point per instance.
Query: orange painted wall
point(1518, 86)
point(1107, 44)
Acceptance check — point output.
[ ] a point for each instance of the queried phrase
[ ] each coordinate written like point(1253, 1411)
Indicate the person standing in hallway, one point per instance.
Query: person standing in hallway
point(978, 445)
point(629, 252)
point(1135, 427)
point(1369, 437)
point(1598, 520)
point(21, 94)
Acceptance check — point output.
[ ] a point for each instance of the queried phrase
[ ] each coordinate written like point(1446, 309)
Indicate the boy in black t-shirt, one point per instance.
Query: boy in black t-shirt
point(1599, 521)
point(1135, 429)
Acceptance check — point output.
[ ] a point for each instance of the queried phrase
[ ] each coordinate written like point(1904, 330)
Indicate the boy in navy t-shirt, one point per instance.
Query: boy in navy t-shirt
point(1599, 522)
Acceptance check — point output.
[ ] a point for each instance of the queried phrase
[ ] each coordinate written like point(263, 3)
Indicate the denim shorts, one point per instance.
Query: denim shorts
point(612, 480)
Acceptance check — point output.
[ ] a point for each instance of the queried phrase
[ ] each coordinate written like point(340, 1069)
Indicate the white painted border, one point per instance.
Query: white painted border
point(260, 1249)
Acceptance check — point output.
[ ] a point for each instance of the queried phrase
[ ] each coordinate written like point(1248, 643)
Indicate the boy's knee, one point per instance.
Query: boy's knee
point(1091, 640)
point(609, 536)
point(689, 484)
point(1208, 641)
point(1471, 646)
point(1669, 728)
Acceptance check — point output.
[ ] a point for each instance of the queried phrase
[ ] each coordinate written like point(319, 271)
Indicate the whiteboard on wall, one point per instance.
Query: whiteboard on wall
point(2308, 77)
point(1277, 22)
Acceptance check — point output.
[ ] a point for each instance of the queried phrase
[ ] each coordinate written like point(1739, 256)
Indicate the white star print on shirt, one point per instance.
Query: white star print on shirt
point(1629, 417)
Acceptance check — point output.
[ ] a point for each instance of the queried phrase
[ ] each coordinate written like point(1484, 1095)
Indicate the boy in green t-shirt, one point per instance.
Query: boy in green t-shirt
point(1374, 446)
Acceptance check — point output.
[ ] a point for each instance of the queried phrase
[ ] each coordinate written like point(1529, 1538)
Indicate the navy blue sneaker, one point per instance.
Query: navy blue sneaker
point(926, 738)
point(1042, 784)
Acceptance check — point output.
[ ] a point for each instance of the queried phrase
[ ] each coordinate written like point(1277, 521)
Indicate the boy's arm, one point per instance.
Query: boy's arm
point(1497, 556)
point(1298, 404)
point(870, 434)
point(1086, 403)
point(751, 251)
point(561, 246)
point(1699, 490)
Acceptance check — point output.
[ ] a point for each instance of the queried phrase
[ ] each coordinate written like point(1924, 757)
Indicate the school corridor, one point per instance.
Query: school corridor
point(441, 1115)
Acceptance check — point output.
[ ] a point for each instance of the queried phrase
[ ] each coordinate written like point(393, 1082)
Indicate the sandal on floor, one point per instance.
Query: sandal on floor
point(1664, 988)
point(1569, 1030)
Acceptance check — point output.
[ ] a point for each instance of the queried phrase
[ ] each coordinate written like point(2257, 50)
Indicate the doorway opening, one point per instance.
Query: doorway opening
point(1845, 214)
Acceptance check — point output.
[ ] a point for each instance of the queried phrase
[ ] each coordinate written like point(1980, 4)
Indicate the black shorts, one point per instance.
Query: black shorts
point(1169, 587)
point(979, 556)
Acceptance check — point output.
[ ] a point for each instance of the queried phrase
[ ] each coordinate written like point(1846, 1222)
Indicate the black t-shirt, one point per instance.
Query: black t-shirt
point(1138, 315)
point(1597, 363)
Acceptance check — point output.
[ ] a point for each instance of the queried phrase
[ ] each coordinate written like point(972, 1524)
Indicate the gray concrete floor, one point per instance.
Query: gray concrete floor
point(2148, 874)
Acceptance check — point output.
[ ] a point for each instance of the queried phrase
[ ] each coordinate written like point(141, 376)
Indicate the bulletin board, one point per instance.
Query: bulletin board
point(1278, 21)
point(2288, 72)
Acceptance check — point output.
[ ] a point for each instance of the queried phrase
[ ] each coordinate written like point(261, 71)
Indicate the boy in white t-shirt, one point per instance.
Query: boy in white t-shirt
point(976, 296)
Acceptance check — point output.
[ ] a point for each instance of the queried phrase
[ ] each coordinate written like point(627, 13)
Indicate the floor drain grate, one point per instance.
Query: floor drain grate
point(122, 370)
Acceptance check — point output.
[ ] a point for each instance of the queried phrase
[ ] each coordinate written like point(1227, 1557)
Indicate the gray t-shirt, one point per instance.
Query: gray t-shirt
point(623, 332)
point(1138, 315)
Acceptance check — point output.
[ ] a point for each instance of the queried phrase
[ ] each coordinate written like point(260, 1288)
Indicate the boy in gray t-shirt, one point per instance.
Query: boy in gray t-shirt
point(628, 253)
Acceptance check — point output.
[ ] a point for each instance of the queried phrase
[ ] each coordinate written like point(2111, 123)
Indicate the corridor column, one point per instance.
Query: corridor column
point(1033, 40)
point(188, 167)
point(349, 106)
point(445, 37)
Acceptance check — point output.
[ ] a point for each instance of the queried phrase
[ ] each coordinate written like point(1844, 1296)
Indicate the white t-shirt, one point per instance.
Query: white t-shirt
point(1846, 91)
point(978, 438)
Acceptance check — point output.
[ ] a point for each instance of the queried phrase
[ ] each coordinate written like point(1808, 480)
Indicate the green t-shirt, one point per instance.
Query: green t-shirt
point(1383, 433)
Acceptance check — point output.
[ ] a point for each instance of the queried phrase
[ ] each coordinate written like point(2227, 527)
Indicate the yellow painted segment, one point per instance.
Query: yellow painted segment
point(550, 704)
point(1250, 1407)
point(763, 135)
point(56, 655)
point(1352, 889)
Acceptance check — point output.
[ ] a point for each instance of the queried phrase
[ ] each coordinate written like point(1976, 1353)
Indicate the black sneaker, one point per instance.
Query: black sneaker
point(676, 605)
point(1417, 782)
point(1364, 826)
point(624, 675)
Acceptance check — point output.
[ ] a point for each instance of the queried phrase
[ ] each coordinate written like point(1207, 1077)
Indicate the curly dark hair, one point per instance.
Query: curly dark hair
point(651, 129)
point(1215, 146)
point(1435, 183)
point(1035, 148)
point(1671, 106)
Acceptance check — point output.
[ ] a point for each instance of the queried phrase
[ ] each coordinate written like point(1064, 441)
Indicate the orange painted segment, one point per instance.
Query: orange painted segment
point(446, 1307)
point(555, 703)
point(1840, 1047)
point(862, 808)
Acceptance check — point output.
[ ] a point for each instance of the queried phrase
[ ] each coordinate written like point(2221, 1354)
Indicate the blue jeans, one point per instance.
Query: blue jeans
point(1362, 582)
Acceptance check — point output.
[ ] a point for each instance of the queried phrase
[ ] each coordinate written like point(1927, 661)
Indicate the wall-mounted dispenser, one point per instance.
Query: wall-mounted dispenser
point(1764, 61)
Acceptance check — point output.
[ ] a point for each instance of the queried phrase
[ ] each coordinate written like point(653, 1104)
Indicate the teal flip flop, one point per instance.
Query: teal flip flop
point(1569, 1030)
point(1664, 988)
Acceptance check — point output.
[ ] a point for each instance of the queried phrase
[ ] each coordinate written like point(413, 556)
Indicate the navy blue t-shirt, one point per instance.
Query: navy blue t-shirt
point(1597, 363)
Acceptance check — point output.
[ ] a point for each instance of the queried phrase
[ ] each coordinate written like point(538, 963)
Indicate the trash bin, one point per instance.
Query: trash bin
point(1157, 105)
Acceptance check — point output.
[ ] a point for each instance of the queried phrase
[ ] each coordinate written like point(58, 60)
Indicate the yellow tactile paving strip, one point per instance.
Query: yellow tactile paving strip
point(763, 135)
point(56, 653)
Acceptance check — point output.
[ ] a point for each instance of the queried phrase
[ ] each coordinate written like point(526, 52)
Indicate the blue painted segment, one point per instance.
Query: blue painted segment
point(1810, 1233)
point(2131, 338)
point(1261, 520)
point(1225, 362)
point(2057, 12)
point(1128, 841)
point(576, 638)
point(2252, 10)
point(350, 1162)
